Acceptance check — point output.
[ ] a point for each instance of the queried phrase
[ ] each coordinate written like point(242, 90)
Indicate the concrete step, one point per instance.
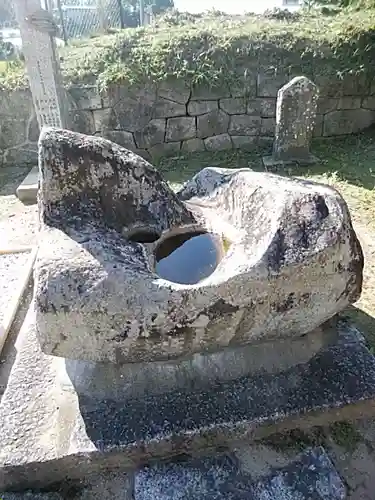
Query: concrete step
point(27, 191)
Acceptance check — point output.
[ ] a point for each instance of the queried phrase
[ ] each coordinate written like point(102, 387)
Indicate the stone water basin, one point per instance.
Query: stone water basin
point(287, 262)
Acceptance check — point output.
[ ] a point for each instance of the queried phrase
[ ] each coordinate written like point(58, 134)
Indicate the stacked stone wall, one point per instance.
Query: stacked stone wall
point(167, 119)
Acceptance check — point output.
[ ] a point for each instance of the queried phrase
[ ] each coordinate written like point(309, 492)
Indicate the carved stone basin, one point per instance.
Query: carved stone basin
point(284, 256)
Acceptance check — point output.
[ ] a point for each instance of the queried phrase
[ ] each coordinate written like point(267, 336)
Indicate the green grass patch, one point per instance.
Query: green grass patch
point(219, 50)
point(345, 434)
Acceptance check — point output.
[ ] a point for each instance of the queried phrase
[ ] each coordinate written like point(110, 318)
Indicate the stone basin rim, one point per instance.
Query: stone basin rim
point(168, 233)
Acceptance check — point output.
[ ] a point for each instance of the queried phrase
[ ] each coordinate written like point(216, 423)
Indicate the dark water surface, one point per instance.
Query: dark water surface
point(189, 257)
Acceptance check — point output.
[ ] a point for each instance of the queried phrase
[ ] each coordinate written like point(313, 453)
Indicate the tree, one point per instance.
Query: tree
point(7, 50)
point(131, 14)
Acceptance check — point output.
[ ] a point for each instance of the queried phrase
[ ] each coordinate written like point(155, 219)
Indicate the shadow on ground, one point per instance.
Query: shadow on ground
point(364, 322)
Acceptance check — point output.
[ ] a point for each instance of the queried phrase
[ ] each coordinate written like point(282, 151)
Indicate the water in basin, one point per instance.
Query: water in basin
point(189, 257)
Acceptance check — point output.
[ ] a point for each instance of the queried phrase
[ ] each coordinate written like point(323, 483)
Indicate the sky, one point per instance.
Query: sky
point(232, 6)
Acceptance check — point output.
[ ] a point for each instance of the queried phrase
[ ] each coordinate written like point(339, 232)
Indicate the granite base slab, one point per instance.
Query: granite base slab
point(311, 476)
point(270, 163)
point(50, 433)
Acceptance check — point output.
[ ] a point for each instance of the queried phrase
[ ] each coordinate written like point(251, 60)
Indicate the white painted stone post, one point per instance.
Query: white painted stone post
point(39, 49)
point(295, 120)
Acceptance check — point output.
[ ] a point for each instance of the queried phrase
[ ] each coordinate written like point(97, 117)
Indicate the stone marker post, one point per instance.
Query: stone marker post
point(295, 121)
point(39, 48)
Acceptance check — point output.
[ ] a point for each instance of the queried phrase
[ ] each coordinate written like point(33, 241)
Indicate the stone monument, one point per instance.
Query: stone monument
point(38, 30)
point(295, 120)
point(178, 323)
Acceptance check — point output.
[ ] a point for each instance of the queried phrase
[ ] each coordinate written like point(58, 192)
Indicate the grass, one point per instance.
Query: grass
point(218, 49)
point(345, 434)
point(342, 433)
point(347, 164)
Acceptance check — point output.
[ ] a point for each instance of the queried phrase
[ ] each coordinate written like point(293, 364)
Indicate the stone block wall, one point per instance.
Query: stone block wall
point(166, 119)
point(19, 129)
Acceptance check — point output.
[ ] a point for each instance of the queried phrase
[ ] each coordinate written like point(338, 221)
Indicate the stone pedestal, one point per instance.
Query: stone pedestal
point(117, 367)
point(51, 414)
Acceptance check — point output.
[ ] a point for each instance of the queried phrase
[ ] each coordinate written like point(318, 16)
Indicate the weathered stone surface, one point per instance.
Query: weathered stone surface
point(89, 436)
point(369, 103)
point(349, 102)
point(192, 145)
point(334, 85)
point(244, 125)
point(103, 187)
point(165, 149)
point(86, 97)
point(107, 187)
point(211, 478)
point(124, 139)
point(234, 105)
point(295, 119)
point(143, 153)
point(105, 381)
point(326, 105)
point(207, 93)
point(174, 91)
point(244, 141)
point(132, 108)
point(253, 108)
point(343, 122)
point(108, 486)
point(265, 140)
point(102, 119)
point(247, 84)
point(311, 475)
point(318, 129)
point(165, 108)
point(196, 108)
point(33, 132)
point(31, 496)
point(82, 121)
point(269, 83)
point(267, 107)
point(268, 126)
point(214, 123)
point(20, 100)
point(219, 142)
point(355, 84)
point(25, 155)
point(180, 129)
point(13, 131)
point(153, 133)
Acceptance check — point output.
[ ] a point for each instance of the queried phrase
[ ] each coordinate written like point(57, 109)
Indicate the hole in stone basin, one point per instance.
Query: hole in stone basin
point(143, 235)
point(189, 257)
